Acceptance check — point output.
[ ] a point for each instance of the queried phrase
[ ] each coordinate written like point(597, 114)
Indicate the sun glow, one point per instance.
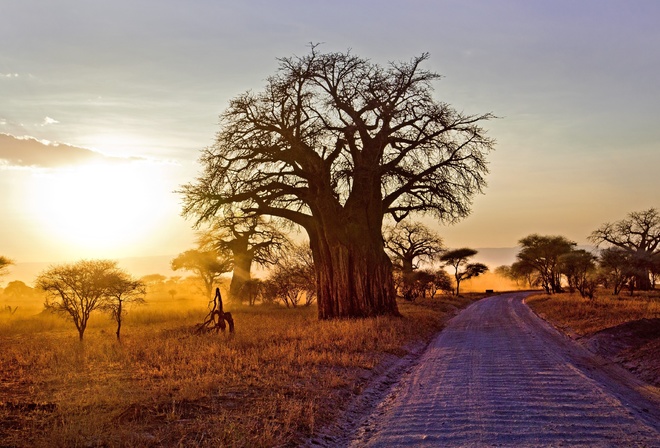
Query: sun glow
point(100, 210)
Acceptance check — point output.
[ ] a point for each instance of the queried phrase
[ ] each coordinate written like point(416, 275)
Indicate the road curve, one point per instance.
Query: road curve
point(498, 375)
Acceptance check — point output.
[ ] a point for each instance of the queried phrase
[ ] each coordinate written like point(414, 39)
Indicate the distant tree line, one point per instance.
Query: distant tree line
point(630, 258)
point(292, 273)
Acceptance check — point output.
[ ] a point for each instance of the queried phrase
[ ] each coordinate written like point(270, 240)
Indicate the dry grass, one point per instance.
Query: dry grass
point(585, 317)
point(279, 378)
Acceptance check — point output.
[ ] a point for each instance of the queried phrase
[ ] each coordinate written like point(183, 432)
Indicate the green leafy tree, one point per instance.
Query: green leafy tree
point(541, 254)
point(579, 266)
point(18, 291)
point(334, 143)
point(615, 266)
point(521, 273)
point(458, 259)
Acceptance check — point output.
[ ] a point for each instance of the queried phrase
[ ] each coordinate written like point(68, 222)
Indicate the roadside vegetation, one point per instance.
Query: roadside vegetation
point(584, 317)
point(275, 381)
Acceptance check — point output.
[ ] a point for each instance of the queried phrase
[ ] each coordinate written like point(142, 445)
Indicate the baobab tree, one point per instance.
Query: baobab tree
point(409, 244)
point(639, 234)
point(209, 265)
point(250, 240)
point(334, 143)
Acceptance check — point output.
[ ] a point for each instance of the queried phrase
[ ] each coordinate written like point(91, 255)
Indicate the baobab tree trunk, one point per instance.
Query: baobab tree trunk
point(354, 274)
point(240, 275)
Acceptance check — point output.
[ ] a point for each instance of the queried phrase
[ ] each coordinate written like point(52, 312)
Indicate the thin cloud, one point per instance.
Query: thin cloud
point(30, 152)
point(47, 121)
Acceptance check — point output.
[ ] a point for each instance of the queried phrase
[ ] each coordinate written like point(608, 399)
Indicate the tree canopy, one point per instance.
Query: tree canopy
point(77, 289)
point(541, 253)
point(208, 265)
point(122, 290)
point(333, 143)
point(410, 243)
point(458, 259)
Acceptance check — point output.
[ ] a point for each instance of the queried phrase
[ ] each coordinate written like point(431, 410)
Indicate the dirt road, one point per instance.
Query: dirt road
point(498, 375)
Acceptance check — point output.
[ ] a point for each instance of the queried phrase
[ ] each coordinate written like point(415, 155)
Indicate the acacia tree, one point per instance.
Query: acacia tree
point(250, 240)
point(77, 289)
point(639, 234)
point(122, 290)
point(519, 272)
point(334, 143)
point(616, 267)
point(541, 253)
point(441, 281)
point(458, 258)
point(208, 265)
point(577, 266)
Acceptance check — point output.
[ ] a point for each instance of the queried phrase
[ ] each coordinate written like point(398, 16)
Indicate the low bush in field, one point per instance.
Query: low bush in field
point(281, 375)
point(585, 316)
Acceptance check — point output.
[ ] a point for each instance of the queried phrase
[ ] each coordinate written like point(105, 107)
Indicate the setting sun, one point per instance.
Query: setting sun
point(104, 207)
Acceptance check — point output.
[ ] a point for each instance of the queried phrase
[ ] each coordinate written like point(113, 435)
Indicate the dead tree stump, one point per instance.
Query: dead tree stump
point(216, 318)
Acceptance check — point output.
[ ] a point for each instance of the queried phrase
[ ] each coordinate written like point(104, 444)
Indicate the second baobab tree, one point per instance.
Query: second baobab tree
point(409, 244)
point(334, 143)
point(250, 241)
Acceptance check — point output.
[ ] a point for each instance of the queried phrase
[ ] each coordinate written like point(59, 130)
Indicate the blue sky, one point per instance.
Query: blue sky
point(575, 84)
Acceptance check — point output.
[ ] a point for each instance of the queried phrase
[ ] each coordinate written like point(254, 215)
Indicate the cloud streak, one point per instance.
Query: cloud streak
point(28, 152)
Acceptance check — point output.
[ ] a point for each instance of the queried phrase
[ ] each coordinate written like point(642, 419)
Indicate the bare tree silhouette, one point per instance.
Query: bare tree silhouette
point(334, 143)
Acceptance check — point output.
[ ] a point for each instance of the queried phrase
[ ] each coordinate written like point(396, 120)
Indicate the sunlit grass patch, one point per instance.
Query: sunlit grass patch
point(584, 316)
point(277, 379)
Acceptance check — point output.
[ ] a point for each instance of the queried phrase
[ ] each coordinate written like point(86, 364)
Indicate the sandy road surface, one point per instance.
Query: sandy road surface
point(498, 375)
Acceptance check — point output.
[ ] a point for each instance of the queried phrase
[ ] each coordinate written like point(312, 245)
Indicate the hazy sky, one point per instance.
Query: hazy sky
point(576, 85)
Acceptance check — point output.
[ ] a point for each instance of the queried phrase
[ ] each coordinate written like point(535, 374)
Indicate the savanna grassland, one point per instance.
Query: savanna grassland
point(584, 316)
point(280, 377)
point(622, 328)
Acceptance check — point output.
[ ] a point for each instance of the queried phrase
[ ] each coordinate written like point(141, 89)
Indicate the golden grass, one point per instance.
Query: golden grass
point(281, 376)
point(585, 317)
